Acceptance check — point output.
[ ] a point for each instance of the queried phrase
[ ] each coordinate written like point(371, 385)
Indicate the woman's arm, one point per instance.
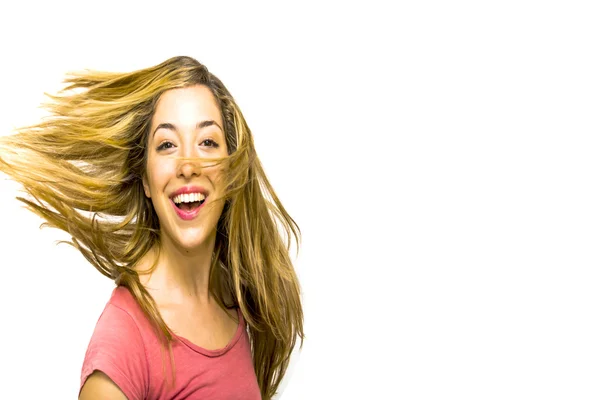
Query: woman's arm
point(99, 386)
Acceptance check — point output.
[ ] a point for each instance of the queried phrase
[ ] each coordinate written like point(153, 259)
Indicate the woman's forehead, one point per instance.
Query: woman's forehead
point(187, 107)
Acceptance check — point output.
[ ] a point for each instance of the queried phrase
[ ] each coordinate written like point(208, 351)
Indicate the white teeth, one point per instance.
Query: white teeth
point(188, 198)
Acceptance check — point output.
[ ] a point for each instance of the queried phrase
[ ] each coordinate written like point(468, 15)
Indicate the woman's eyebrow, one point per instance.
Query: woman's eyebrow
point(200, 125)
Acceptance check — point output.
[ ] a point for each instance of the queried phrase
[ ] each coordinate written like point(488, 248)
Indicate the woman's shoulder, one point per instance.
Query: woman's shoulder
point(120, 317)
point(122, 300)
point(117, 347)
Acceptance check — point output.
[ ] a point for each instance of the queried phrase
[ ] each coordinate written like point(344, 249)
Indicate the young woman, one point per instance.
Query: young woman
point(154, 175)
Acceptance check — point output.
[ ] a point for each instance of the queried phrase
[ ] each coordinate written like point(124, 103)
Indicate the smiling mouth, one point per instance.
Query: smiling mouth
point(189, 206)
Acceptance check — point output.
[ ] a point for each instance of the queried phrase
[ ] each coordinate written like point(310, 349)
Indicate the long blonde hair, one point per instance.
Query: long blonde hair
point(82, 168)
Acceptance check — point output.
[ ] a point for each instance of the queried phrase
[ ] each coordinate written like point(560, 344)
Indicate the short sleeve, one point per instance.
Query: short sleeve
point(117, 349)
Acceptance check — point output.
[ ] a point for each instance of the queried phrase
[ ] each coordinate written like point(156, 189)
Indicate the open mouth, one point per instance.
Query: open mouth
point(188, 202)
point(189, 206)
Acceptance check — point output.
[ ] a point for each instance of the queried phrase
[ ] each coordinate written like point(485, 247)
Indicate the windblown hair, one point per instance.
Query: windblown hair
point(82, 167)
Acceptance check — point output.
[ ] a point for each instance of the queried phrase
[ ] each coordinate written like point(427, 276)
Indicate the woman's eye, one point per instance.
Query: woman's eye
point(210, 143)
point(164, 146)
point(168, 145)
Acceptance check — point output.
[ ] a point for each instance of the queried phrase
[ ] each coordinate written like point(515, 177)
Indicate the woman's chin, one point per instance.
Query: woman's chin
point(191, 241)
point(191, 245)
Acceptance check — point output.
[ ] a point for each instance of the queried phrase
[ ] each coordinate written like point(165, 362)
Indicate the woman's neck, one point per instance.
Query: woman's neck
point(181, 276)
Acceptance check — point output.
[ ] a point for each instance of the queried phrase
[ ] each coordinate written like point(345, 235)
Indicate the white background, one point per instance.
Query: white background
point(441, 159)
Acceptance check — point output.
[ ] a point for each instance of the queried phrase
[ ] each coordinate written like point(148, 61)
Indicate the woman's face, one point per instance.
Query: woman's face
point(187, 123)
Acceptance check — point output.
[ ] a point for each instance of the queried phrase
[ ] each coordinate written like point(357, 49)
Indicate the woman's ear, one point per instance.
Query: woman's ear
point(146, 186)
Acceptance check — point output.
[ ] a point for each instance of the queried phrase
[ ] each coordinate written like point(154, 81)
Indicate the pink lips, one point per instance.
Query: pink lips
point(187, 215)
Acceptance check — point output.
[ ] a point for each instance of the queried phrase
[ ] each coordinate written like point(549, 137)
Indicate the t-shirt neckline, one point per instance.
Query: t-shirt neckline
point(216, 352)
point(189, 344)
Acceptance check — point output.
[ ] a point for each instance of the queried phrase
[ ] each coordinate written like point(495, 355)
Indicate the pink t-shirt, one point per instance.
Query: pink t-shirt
point(125, 347)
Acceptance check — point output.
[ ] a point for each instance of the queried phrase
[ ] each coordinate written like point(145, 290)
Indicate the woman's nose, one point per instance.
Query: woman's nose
point(189, 168)
point(190, 165)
